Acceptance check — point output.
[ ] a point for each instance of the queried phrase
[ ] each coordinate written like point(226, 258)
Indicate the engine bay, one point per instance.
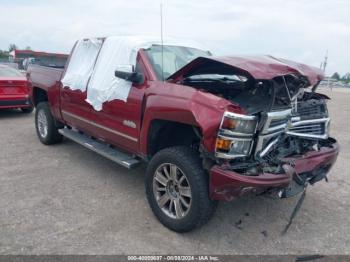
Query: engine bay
point(291, 119)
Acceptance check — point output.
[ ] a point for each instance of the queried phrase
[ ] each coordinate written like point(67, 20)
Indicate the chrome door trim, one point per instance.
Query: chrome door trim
point(100, 126)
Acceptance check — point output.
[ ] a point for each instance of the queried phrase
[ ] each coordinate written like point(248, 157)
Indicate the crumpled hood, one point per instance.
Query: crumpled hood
point(257, 67)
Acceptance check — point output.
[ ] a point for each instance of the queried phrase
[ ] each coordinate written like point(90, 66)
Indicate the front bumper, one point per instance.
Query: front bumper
point(15, 101)
point(227, 184)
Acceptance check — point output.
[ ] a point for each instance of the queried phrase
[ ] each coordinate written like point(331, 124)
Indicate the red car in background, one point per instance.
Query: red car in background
point(14, 90)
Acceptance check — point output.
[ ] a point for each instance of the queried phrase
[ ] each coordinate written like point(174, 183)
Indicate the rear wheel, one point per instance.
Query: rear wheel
point(27, 110)
point(45, 125)
point(177, 189)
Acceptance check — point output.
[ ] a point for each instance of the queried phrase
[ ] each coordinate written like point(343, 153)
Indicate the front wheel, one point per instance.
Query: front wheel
point(177, 189)
point(45, 125)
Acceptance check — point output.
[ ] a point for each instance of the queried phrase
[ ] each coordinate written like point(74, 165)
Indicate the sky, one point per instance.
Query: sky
point(298, 30)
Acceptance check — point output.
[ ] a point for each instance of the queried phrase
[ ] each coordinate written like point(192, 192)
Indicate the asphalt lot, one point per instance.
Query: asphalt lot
point(64, 199)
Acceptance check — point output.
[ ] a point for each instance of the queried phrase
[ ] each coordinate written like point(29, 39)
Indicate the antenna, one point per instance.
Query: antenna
point(161, 37)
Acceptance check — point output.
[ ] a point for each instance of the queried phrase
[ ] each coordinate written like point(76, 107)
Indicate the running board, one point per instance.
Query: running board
point(101, 148)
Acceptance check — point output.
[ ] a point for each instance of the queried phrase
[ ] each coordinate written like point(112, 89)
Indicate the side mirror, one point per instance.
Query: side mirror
point(128, 73)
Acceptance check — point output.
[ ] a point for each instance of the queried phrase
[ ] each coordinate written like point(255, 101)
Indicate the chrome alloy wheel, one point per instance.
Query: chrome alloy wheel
point(172, 191)
point(42, 124)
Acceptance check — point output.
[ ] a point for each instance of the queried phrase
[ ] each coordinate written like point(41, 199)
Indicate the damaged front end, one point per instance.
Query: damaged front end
point(281, 143)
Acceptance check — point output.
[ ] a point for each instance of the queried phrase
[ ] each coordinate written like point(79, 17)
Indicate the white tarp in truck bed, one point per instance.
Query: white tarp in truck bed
point(81, 64)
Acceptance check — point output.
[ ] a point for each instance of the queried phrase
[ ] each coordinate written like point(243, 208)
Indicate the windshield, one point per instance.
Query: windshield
point(174, 58)
point(8, 71)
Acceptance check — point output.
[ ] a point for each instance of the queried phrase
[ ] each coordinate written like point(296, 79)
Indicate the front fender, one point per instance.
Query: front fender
point(188, 106)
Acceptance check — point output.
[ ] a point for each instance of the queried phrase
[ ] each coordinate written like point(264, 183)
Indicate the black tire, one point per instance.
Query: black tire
point(51, 136)
point(27, 110)
point(201, 208)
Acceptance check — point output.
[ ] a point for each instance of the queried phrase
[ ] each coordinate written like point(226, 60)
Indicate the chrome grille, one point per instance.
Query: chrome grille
point(276, 124)
point(309, 128)
point(276, 121)
point(308, 111)
point(313, 128)
point(310, 119)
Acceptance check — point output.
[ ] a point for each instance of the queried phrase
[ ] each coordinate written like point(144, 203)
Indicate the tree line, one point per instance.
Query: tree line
point(345, 78)
point(4, 54)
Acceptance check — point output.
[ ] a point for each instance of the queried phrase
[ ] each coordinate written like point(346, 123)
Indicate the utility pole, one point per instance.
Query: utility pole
point(324, 64)
point(323, 67)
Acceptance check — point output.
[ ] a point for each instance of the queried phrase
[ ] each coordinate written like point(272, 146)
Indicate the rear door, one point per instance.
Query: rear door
point(75, 110)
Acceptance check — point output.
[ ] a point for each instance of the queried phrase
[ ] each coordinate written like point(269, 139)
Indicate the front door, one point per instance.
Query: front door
point(119, 122)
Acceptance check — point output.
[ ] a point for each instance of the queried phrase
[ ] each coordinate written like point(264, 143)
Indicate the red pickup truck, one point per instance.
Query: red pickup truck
point(210, 128)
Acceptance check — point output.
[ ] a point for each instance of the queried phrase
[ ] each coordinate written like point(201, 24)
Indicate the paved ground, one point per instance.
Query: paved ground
point(65, 199)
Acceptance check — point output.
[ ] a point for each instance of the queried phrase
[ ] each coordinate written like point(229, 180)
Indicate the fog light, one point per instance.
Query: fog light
point(223, 144)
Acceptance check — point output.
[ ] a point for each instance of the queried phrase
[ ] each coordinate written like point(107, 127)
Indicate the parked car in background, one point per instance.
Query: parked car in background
point(14, 90)
point(210, 128)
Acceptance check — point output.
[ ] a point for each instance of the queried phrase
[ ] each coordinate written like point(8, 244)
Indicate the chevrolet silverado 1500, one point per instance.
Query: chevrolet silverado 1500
point(210, 128)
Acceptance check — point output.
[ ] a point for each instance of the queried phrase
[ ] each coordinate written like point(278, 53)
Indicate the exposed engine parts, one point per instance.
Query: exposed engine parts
point(283, 118)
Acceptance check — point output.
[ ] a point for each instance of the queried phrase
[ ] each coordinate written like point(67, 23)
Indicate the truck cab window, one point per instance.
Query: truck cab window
point(174, 58)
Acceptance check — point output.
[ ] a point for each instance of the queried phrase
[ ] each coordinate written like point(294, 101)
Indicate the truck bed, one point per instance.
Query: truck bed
point(44, 76)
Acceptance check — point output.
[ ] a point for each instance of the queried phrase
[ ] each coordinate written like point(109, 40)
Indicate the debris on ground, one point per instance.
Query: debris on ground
point(264, 233)
point(238, 224)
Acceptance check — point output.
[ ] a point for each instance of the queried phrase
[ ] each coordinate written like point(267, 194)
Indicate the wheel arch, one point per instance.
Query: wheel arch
point(39, 95)
point(164, 133)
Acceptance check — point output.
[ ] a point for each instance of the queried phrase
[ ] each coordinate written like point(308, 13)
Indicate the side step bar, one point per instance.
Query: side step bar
point(113, 154)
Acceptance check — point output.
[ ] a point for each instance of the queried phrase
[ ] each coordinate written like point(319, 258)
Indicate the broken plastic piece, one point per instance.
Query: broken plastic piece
point(295, 210)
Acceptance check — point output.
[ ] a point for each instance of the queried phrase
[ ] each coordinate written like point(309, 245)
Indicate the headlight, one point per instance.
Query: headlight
point(235, 135)
point(240, 147)
point(244, 126)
